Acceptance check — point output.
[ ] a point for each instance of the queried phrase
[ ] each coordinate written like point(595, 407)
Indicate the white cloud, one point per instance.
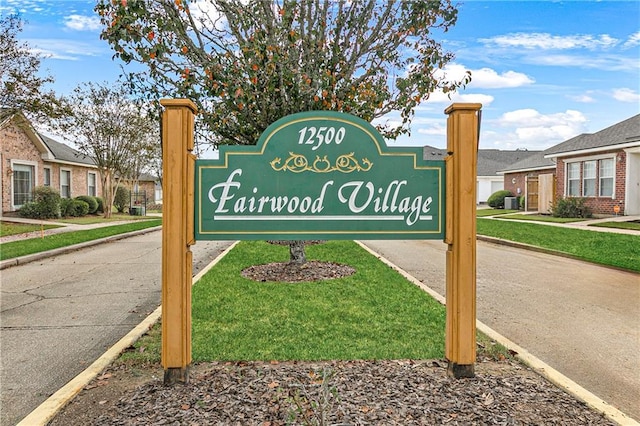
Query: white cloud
point(439, 129)
point(584, 98)
point(206, 15)
point(548, 41)
point(447, 98)
point(626, 95)
point(63, 49)
point(606, 62)
point(530, 128)
point(632, 41)
point(485, 78)
point(82, 23)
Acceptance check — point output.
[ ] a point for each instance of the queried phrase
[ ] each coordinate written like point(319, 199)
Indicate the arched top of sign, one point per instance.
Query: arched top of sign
point(276, 130)
point(305, 135)
point(319, 174)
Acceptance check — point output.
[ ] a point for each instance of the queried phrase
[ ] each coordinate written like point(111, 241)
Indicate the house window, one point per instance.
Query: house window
point(573, 179)
point(65, 183)
point(589, 179)
point(91, 184)
point(606, 177)
point(47, 176)
point(23, 178)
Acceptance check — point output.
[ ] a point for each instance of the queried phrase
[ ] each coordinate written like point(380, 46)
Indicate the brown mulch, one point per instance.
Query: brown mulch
point(344, 392)
point(293, 273)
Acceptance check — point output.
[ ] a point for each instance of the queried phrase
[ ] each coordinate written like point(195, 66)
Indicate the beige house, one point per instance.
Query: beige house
point(29, 159)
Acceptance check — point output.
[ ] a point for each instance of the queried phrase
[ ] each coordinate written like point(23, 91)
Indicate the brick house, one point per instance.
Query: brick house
point(602, 167)
point(532, 178)
point(29, 159)
point(146, 188)
point(490, 162)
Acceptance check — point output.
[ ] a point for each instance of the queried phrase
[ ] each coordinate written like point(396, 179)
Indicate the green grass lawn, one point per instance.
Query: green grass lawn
point(619, 250)
point(373, 314)
point(633, 225)
point(49, 242)
point(540, 218)
point(13, 228)
point(493, 212)
point(91, 219)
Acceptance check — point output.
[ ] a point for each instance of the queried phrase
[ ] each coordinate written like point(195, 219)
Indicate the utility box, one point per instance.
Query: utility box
point(511, 203)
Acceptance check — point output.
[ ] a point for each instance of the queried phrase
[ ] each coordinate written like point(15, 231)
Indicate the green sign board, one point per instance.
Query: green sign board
point(319, 175)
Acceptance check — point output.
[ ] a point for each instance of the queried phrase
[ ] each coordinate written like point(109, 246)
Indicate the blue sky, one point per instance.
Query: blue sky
point(544, 71)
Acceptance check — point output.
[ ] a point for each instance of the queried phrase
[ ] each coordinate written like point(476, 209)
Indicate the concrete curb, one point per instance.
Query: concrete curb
point(62, 250)
point(46, 411)
point(536, 364)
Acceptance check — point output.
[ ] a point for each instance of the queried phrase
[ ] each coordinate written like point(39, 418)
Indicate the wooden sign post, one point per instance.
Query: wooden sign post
point(460, 235)
point(177, 235)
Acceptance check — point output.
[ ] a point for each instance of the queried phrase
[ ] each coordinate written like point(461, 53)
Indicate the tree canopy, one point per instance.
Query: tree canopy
point(247, 64)
point(22, 84)
point(112, 130)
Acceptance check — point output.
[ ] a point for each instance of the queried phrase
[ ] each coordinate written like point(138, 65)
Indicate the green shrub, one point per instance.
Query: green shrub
point(496, 200)
point(65, 206)
point(100, 202)
point(570, 207)
point(45, 204)
point(91, 201)
point(30, 210)
point(78, 208)
point(122, 199)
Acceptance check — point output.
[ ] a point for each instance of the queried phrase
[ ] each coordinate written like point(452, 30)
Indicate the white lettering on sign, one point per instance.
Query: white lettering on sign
point(319, 135)
point(361, 198)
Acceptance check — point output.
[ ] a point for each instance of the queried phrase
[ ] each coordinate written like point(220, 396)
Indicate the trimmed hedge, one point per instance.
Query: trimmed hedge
point(91, 201)
point(496, 200)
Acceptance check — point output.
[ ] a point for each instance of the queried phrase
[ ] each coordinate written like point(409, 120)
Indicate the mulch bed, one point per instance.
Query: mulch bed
point(352, 393)
point(289, 272)
point(292, 273)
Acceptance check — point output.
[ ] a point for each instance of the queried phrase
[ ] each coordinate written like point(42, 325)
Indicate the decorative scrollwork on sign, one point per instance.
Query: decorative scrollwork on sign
point(347, 163)
point(298, 163)
point(295, 163)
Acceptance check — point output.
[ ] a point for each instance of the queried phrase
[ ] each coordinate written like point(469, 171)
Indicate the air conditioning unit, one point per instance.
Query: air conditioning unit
point(511, 203)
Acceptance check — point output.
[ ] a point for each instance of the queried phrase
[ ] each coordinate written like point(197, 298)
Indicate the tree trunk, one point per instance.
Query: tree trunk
point(107, 193)
point(297, 254)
